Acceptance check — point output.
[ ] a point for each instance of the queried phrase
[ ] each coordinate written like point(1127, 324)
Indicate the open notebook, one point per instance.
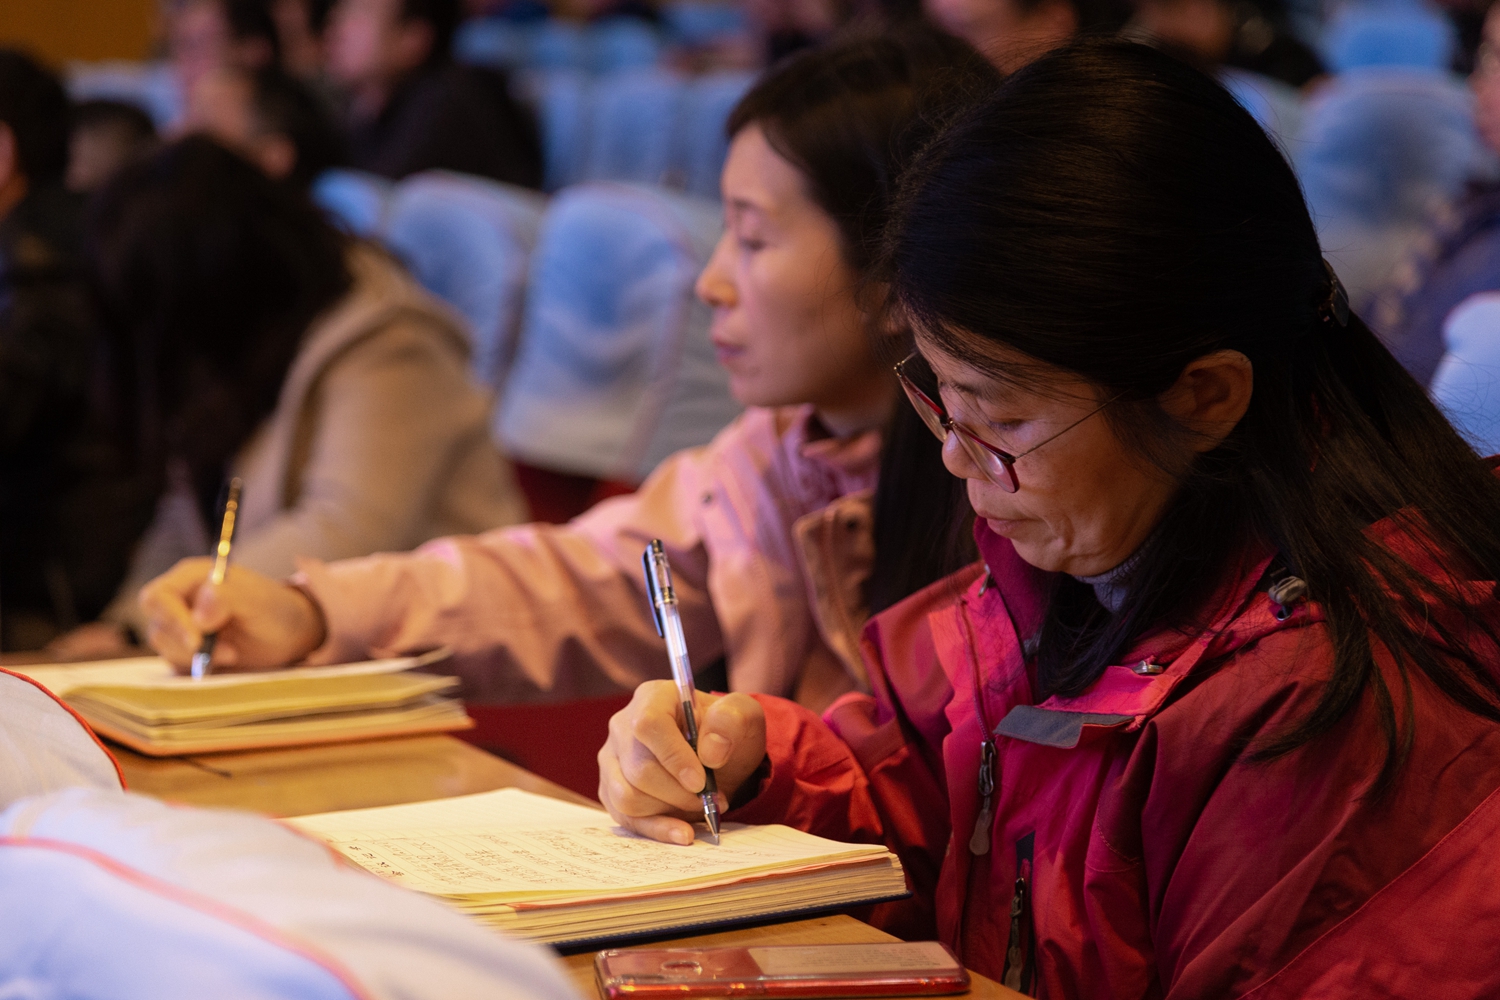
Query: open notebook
point(565, 874)
point(145, 705)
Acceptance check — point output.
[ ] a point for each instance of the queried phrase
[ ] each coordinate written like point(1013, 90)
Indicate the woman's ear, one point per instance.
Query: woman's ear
point(1211, 396)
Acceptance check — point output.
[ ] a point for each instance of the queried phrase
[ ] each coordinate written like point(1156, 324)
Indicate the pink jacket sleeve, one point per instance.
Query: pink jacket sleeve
point(534, 611)
point(871, 769)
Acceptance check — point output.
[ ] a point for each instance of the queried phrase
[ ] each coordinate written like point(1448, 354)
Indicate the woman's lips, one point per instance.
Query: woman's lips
point(727, 352)
point(1003, 526)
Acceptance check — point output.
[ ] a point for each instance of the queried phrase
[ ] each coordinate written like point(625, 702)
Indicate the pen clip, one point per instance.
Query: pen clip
point(658, 582)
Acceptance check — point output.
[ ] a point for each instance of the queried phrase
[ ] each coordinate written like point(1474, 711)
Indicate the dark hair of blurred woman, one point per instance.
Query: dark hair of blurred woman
point(208, 274)
point(1145, 222)
point(838, 117)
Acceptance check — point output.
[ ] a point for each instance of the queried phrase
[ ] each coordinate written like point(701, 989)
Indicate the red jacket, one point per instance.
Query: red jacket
point(1132, 853)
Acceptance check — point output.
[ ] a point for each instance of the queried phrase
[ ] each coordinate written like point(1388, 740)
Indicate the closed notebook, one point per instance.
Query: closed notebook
point(145, 705)
point(564, 874)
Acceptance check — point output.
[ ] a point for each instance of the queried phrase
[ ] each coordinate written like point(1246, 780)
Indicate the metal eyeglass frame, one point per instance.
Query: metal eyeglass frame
point(998, 465)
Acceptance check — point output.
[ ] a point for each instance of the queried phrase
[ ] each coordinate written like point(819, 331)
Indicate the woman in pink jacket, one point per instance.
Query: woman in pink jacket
point(773, 529)
point(1218, 713)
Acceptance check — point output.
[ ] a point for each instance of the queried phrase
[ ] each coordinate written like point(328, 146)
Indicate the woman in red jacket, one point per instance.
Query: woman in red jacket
point(1219, 714)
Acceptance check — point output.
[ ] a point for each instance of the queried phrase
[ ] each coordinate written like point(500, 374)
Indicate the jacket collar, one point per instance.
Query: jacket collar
point(1127, 694)
point(855, 457)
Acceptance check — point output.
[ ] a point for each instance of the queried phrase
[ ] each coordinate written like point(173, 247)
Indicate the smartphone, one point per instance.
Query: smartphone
point(896, 968)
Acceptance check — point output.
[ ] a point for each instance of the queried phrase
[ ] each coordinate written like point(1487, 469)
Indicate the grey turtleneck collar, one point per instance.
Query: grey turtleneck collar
point(1109, 586)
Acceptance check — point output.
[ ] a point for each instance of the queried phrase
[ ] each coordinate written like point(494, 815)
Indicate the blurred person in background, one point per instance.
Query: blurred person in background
point(203, 35)
point(65, 526)
point(105, 136)
point(1461, 255)
point(1251, 36)
point(410, 108)
point(299, 31)
point(268, 117)
point(824, 500)
point(250, 338)
point(1011, 33)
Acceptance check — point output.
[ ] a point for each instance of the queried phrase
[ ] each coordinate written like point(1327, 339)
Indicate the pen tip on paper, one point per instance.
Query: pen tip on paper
point(711, 816)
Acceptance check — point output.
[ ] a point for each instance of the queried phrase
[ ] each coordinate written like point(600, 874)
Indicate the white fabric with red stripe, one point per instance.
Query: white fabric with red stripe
point(43, 745)
point(109, 894)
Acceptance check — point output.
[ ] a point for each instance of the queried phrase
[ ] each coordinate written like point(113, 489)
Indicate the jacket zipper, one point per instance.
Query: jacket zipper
point(979, 840)
point(1020, 952)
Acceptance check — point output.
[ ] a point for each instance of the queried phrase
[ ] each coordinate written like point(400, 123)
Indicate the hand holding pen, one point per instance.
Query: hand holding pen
point(669, 626)
point(203, 659)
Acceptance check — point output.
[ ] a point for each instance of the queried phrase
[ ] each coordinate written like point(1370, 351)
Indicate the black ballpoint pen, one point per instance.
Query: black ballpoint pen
point(669, 627)
point(204, 657)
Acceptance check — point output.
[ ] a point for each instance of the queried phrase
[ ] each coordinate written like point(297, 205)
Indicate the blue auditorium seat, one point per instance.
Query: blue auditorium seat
point(615, 369)
point(558, 45)
point(1467, 384)
point(562, 99)
point(493, 42)
point(1388, 33)
point(1276, 105)
point(1380, 149)
point(356, 200)
point(150, 86)
point(623, 43)
point(701, 143)
point(632, 121)
point(699, 22)
point(468, 240)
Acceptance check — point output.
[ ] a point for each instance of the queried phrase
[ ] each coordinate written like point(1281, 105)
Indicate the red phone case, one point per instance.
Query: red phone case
point(896, 968)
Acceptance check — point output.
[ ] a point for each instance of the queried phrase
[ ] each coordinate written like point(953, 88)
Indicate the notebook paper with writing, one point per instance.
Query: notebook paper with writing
point(147, 706)
point(564, 874)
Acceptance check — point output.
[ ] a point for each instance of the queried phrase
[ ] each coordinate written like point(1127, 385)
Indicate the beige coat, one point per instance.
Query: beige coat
point(379, 442)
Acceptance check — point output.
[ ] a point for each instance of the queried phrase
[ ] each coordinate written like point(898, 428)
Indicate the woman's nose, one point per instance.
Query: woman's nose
point(957, 458)
point(714, 286)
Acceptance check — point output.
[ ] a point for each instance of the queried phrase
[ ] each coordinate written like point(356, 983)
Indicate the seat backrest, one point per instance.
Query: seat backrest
point(356, 200)
point(492, 42)
point(1379, 151)
point(615, 369)
point(468, 241)
point(623, 43)
point(632, 126)
point(1388, 33)
point(1276, 105)
point(700, 22)
point(558, 45)
point(1466, 385)
point(701, 143)
point(150, 86)
point(562, 99)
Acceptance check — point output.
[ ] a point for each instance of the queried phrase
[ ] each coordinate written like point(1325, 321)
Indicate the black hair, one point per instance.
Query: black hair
point(207, 274)
point(251, 20)
point(132, 124)
point(1115, 214)
point(846, 116)
point(35, 106)
point(317, 15)
point(287, 106)
point(442, 16)
point(1096, 18)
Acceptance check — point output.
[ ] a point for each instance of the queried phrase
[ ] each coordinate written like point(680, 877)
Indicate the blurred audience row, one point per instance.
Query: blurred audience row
point(200, 315)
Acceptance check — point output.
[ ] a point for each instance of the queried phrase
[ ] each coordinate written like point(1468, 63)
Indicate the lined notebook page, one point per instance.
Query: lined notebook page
point(513, 845)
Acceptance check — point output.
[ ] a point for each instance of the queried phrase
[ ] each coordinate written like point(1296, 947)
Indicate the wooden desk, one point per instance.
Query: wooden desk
point(302, 780)
point(386, 772)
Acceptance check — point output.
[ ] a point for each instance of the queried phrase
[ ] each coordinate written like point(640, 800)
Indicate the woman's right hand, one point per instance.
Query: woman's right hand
point(649, 777)
point(261, 623)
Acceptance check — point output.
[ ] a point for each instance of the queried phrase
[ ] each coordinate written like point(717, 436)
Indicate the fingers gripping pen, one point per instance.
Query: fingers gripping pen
point(669, 627)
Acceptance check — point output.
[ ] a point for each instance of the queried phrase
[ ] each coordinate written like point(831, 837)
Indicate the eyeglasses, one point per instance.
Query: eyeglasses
point(998, 466)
